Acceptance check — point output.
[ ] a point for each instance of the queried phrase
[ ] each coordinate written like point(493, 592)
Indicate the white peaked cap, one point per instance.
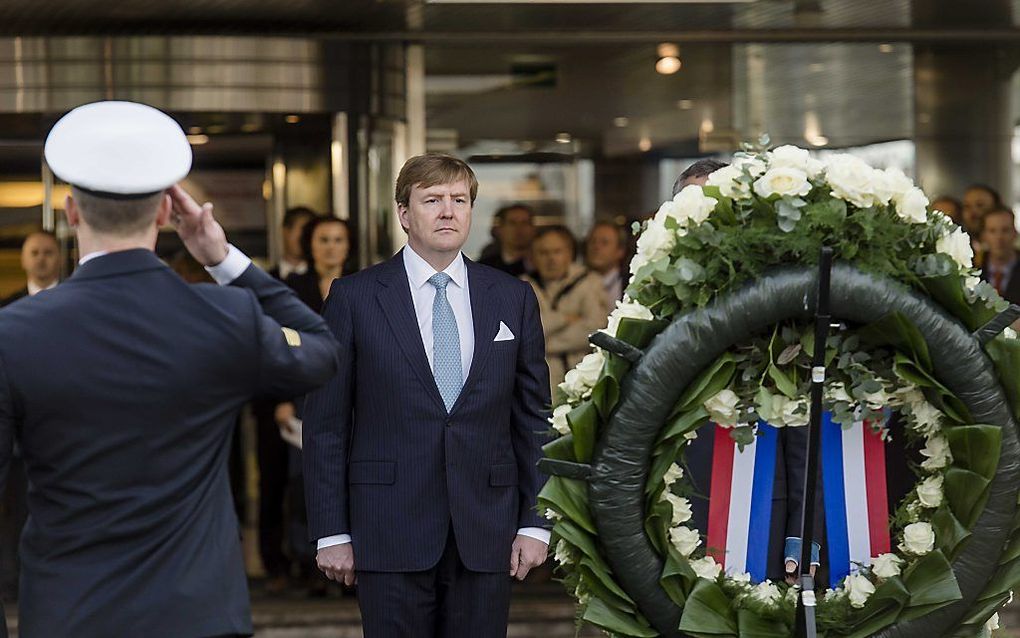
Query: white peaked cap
point(118, 149)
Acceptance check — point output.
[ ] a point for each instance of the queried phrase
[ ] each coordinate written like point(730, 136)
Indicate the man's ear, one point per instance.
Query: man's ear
point(402, 215)
point(71, 212)
point(163, 212)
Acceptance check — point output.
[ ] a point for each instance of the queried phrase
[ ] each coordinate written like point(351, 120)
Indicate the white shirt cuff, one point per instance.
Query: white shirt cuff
point(537, 533)
point(329, 541)
point(231, 267)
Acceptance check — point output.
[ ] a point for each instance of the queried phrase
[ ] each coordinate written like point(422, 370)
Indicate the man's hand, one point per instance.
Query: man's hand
point(283, 414)
point(526, 554)
point(337, 563)
point(201, 233)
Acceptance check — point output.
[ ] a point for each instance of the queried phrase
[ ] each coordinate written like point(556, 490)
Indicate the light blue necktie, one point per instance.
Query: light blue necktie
point(445, 343)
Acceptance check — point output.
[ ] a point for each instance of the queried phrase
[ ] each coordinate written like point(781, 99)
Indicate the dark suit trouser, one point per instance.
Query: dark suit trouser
point(447, 601)
point(13, 512)
point(272, 457)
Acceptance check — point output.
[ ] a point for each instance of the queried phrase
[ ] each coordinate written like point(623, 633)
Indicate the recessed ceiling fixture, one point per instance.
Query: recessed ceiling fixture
point(620, 122)
point(292, 119)
point(669, 58)
point(885, 48)
point(685, 105)
point(563, 138)
point(198, 140)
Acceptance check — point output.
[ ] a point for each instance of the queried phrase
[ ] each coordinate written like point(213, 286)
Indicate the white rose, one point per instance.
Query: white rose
point(783, 181)
point(766, 592)
point(562, 554)
point(993, 623)
point(877, 400)
point(795, 157)
point(957, 245)
point(936, 453)
point(859, 588)
point(886, 565)
point(1009, 333)
point(929, 491)
point(722, 408)
point(559, 419)
point(927, 418)
point(670, 210)
point(744, 578)
point(891, 185)
point(851, 180)
point(654, 242)
point(685, 540)
point(918, 538)
point(694, 205)
point(673, 474)
point(626, 309)
point(726, 179)
point(681, 507)
point(791, 416)
point(913, 206)
point(837, 392)
point(578, 381)
point(706, 568)
point(972, 282)
point(552, 515)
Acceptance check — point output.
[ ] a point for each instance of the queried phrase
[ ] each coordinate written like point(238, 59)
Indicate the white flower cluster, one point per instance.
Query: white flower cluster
point(579, 381)
point(626, 309)
point(853, 181)
point(689, 207)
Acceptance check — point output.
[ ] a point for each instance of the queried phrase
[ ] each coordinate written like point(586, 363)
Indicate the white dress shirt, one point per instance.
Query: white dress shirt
point(422, 295)
point(287, 268)
point(34, 288)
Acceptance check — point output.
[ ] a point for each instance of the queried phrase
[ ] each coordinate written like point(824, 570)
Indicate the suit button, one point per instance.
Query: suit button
point(449, 421)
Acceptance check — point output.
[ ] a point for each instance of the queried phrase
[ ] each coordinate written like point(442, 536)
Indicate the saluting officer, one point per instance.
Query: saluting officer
point(123, 385)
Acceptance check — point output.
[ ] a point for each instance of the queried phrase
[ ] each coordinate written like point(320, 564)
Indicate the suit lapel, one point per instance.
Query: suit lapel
point(394, 298)
point(485, 317)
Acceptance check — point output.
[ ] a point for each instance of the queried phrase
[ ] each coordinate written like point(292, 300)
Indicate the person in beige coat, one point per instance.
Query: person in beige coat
point(571, 299)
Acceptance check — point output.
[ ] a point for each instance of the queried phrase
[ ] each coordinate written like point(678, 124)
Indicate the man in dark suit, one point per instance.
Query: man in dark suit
point(40, 259)
point(1000, 267)
point(123, 385)
point(420, 454)
point(515, 230)
point(605, 250)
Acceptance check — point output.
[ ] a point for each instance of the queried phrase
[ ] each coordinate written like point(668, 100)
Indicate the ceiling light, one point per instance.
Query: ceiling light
point(563, 138)
point(668, 65)
point(685, 105)
point(198, 140)
point(195, 130)
point(885, 48)
point(620, 122)
point(820, 140)
point(292, 119)
point(645, 144)
point(668, 50)
point(816, 67)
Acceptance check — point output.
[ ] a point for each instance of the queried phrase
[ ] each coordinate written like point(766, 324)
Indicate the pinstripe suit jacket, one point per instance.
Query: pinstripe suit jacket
point(384, 461)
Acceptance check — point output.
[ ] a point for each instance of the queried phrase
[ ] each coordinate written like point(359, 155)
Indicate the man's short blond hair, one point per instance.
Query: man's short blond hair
point(433, 169)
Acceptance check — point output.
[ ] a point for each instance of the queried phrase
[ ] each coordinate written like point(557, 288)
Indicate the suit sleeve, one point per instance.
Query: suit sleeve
point(297, 352)
point(327, 428)
point(530, 411)
point(6, 449)
point(795, 442)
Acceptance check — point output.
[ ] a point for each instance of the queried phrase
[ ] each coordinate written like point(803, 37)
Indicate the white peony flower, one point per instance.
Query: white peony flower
point(694, 205)
point(918, 538)
point(673, 474)
point(706, 568)
point(795, 157)
point(681, 507)
point(929, 491)
point(626, 309)
point(562, 554)
point(766, 592)
point(783, 181)
point(722, 408)
point(936, 453)
point(860, 589)
point(685, 540)
point(726, 179)
point(578, 382)
point(851, 180)
point(886, 565)
point(957, 245)
point(993, 623)
point(559, 419)
point(913, 206)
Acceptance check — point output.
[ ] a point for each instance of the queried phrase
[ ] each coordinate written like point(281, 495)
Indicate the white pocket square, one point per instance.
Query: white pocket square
point(504, 333)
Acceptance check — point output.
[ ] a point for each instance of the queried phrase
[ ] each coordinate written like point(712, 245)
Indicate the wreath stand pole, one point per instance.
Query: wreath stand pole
point(806, 602)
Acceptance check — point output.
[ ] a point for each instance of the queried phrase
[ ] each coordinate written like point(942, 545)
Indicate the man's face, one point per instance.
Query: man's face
point(999, 235)
point(604, 252)
point(976, 202)
point(552, 254)
point(40, 259)
point(437, 218)
point(292, 237)
point(517, 230)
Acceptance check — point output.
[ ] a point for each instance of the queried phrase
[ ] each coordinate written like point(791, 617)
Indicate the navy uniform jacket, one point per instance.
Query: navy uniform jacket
point(123, 386)
point(384, 461)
